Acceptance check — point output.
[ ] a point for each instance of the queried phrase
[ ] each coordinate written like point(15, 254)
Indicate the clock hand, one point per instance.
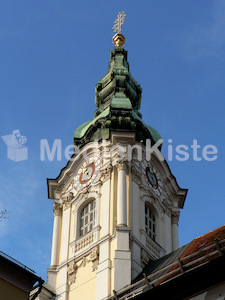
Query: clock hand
point(84, 170)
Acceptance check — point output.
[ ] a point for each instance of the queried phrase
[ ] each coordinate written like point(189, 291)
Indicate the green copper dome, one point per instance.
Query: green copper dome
point(118, 98)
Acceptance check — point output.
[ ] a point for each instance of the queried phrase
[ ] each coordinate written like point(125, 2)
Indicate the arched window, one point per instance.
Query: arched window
point(150, 222)
point(87, 218)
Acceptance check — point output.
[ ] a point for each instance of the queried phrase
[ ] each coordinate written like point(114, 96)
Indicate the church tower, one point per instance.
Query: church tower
point(116, 203)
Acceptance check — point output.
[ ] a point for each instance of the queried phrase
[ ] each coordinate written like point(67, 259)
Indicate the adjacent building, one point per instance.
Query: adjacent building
point(17, 280)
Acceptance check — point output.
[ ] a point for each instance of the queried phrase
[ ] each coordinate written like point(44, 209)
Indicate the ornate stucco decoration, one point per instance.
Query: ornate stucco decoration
point(153, 200)
point(57, 209)
point(106, 173)
point(73, 266)
point(67, 200)
point(167, 207)
point(136, 175)
point(84, 242)
point(71, 272)
point(94, 256)
point(145, 258)
point(122, 165)
point(175, 217)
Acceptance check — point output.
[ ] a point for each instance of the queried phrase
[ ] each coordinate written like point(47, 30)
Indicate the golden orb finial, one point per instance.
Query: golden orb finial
point(118, 38)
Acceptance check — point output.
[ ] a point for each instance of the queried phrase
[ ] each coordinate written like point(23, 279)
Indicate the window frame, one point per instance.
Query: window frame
point(88, 214)
point(150, 219)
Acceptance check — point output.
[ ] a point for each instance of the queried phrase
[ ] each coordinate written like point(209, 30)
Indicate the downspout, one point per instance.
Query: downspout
point(40, 281)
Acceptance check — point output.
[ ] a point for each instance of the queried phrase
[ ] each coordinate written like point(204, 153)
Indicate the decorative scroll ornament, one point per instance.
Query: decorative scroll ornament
point(74, 266)
point(95, 258)
point(57, 209)
point(119, 22)
point(136, 175)
point(118, 38)
point(67, 200)
point(106, 173)
point(175, 217)
point(122, 165)
point(144, 257)
point(71, 272)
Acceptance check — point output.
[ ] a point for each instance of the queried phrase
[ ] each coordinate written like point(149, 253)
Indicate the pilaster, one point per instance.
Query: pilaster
point(122, 194)
point(174, 221)
point(122, 259)
point(57, 209)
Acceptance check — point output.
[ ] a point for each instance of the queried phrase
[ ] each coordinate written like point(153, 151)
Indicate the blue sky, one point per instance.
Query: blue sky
point(51, 56)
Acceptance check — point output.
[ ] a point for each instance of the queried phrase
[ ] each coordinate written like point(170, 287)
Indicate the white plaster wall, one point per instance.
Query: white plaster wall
point(103, 273)
point(136, 267)
point(136, 207)
point(65, 235)
point(62, 286)
point(122, 259)
point(105, 208)
point(168, 234)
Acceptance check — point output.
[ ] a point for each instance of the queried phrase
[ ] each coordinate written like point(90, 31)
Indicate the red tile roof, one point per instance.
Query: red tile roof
point(200, 251)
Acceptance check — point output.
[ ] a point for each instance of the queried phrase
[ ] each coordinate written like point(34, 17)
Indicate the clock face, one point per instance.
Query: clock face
point(87, 172)
point(152, 177)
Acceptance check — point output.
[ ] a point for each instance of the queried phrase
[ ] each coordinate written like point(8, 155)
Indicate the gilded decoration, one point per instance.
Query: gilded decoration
point(118, 38)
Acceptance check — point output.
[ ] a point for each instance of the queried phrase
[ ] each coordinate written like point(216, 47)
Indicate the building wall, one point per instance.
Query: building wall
point(10, 292)
point(108, 257)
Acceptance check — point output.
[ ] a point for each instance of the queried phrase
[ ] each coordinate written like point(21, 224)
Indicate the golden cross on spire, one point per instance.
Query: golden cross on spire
point(118, 38)
point(119, 22)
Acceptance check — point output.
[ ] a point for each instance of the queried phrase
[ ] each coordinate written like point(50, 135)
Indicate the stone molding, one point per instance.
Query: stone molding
point(154, 201)
point(67, 200)
point(166, 207)
point(136, 175)
point(94, 256)
point(152, 247)
point(57, 209)
point(73, 266)
point(106, 173)
point(145, 258)
point(86, 241)
point(175, 217)
point(88, 192)
point(122, 165)
point(71, 272)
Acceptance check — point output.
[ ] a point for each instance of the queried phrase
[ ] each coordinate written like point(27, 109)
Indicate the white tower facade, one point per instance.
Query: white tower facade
point(116, 207)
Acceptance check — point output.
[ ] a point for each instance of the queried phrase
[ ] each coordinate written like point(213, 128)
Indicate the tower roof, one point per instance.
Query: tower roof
point(118, 98)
